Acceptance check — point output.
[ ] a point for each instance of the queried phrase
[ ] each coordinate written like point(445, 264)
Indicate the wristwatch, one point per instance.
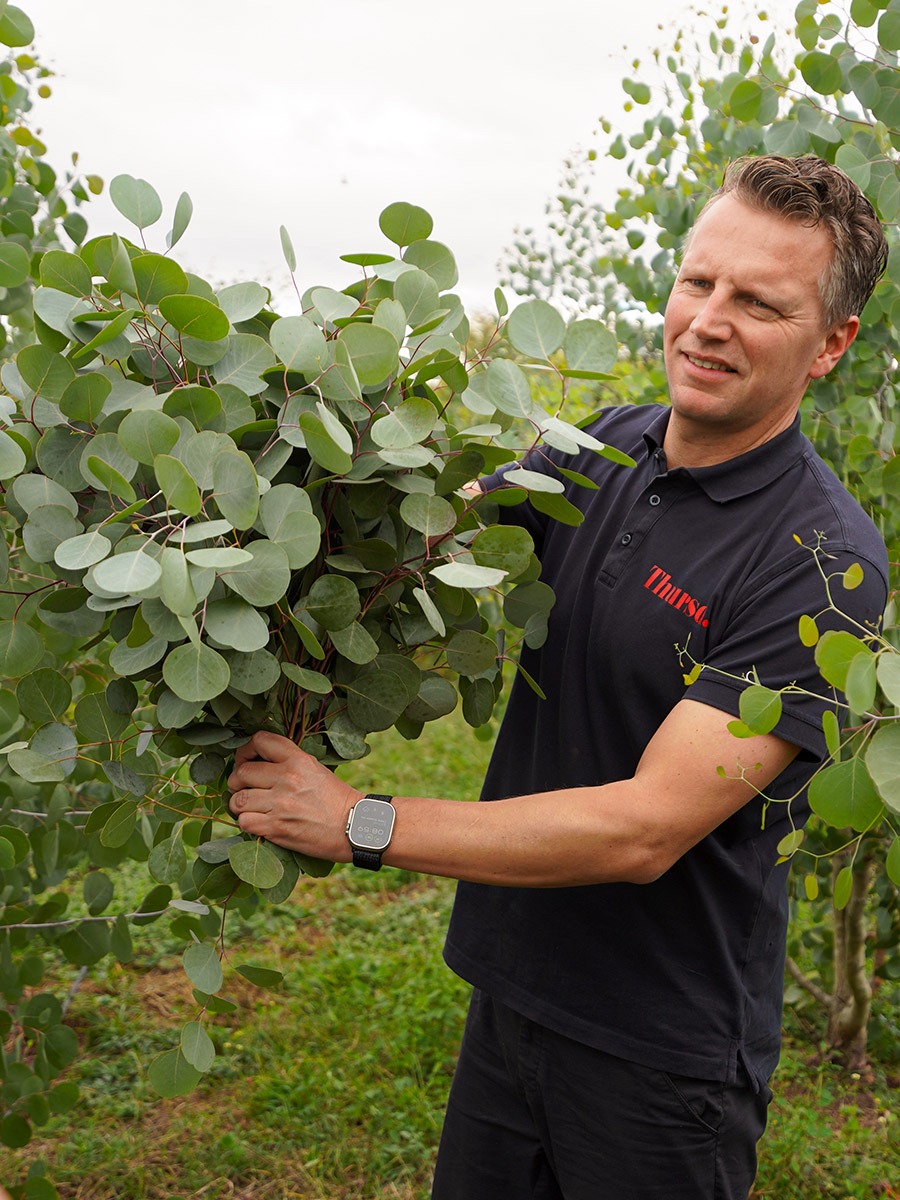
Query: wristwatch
point(369, 828)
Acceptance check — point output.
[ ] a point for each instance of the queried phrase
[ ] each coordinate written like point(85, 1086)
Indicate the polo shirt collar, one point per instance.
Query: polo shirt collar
point(739, 476)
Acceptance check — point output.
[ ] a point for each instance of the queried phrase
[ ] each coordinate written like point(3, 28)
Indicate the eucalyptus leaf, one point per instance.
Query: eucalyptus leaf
point(136, 200)
point(196, 672)
point(255, 863)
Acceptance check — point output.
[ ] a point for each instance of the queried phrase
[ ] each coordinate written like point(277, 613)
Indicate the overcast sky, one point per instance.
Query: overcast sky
point(316, 115)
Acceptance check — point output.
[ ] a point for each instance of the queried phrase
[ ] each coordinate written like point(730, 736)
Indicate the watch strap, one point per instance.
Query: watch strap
point(370, 860)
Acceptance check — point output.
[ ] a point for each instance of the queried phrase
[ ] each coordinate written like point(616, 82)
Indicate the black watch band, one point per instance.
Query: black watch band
point(370, 860)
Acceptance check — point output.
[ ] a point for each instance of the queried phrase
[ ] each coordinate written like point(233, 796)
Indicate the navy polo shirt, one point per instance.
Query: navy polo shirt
point(683, 974)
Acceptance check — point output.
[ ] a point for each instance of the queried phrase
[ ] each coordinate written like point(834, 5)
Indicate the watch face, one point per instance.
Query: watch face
point(372, 824)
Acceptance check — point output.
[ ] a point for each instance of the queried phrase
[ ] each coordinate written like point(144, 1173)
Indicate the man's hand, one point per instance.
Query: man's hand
point(286, 796)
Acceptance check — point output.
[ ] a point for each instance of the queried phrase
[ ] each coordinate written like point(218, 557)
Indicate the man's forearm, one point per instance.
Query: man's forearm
point(551, 839)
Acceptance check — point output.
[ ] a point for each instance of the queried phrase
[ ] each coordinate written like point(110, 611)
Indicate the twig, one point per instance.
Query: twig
point(806, 983)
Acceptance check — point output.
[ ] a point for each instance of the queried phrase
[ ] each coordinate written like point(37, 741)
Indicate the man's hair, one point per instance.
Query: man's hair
point(814, 192)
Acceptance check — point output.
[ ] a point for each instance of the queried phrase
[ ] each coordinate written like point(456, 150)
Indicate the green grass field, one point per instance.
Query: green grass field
point(332, 1087)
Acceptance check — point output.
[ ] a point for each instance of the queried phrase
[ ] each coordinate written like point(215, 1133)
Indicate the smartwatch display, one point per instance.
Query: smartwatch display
point(369, 828)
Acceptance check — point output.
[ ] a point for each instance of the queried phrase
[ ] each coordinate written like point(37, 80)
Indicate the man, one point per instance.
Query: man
point(623, 914)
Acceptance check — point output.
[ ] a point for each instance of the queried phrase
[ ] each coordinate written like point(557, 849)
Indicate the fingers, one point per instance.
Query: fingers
point(255, 773)
point(264, 744)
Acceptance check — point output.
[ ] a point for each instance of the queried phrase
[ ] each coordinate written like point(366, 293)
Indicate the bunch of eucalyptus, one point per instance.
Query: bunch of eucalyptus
point(219, 519)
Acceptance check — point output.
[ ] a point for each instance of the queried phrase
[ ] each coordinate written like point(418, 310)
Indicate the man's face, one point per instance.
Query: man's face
point(744, 330)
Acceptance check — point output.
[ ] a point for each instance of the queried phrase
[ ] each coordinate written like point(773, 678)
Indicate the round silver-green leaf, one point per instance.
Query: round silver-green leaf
point(255, 863)
point(136, 200)
point(196, 672)
point(536, 328)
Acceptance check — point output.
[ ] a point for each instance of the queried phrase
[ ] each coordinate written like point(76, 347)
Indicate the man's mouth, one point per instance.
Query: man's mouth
point(709, 365)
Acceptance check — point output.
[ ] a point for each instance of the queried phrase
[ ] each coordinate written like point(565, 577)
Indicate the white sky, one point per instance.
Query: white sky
point(316, 115)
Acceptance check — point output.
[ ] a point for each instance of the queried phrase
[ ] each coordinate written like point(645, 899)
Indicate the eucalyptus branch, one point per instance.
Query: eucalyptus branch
point(809, 985)
point(81, 920)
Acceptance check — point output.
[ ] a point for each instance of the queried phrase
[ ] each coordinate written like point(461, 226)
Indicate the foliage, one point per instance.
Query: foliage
point(219, 519)
point(37, 208)
point(831, 89)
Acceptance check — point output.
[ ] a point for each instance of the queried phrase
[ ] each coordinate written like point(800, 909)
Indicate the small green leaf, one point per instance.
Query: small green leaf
point(64, 272)
point(263, 977)
point(471, 653)
point(21, 649)
point(84, 397)
point(85, 550)
point(373, 351)
point(354, 642)
point(432, 516)
point(196, 672)
point(468, 575)
point(171, 1074)
point(892, 862)
point(287, 248)
point(557, 507)
point(136, 200)
point(760, 708)
point(845, 796)
point(843, 888)
point(821, 71)
point(119, 824)
point(853, 577)
point(203, 968)
point(235, 489)
point(811, 887)
point(888, 672)
point(197, 1046)
point(196, 317)
point(790, 842)
point(125, 574)
point(300, 344)
point(12, 457)
point(119, 273)
point(177, 484)
point(809, 631)
point(508, 389)
point(333, 601)
point(307, 680)
point(536, 328)
point(883, 763)
point(835, 651)
point(408, 425)
point(861, 683)
point(832, 730)
point(147, 433)
point(184, 210)
point(255, 863)
point(322, 447)
point(403, 223)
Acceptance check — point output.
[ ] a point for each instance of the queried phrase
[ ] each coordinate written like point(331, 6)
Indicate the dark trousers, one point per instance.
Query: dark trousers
point(534, 1115)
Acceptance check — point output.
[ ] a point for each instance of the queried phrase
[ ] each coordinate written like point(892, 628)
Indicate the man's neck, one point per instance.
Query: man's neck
point(688, 445)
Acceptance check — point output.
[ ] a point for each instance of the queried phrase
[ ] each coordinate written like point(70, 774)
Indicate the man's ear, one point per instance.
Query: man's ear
point(838, 340)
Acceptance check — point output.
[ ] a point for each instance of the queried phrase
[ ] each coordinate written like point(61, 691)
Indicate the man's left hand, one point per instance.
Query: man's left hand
point(283, 794)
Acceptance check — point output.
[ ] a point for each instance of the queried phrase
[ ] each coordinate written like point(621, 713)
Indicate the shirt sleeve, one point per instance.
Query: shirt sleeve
point(763, 634)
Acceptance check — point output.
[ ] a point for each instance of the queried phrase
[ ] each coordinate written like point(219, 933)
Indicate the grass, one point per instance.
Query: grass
point(332, 1088)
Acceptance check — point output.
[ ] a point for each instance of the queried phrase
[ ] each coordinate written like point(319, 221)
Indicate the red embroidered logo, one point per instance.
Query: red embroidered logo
point(660, 583)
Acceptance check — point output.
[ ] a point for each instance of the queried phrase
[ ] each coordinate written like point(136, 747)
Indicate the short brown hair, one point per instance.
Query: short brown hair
point(814, 192)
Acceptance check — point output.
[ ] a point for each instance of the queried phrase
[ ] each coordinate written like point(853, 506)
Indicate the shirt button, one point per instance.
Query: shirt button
point(654, 499)
point(625, 539)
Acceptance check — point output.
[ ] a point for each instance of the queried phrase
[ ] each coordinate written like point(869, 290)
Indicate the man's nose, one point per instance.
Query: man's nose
point(712, 321)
